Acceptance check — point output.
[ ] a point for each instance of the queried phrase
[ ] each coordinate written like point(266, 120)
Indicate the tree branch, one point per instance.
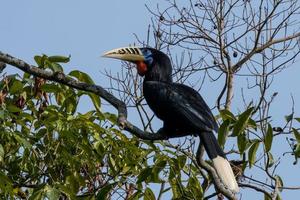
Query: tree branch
point(218, 183)
point(96, 89)
point(259, 49)
point(258, 189)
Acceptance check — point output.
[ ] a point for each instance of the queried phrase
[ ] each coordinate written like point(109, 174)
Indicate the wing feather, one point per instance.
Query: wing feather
point(179, 102)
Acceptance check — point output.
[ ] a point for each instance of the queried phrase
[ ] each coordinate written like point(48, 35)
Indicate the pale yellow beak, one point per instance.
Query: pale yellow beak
point(131, 54)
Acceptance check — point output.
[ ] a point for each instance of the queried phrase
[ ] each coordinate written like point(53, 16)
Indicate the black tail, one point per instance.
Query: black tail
point(211, 145)
point(221, 165)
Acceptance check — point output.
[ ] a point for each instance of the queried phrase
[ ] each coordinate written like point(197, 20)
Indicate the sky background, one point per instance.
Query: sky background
point(86, 29)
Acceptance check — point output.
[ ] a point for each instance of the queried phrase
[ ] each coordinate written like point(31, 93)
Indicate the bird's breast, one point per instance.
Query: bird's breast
point(157, 100)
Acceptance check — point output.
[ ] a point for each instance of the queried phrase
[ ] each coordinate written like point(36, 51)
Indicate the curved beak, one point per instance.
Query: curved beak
point(131, 54)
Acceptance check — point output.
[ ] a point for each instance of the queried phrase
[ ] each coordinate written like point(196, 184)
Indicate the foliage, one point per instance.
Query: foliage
point(48, 149)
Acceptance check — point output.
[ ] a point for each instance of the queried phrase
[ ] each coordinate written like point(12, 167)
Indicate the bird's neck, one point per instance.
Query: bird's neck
point(160, 74)
point(158, 77)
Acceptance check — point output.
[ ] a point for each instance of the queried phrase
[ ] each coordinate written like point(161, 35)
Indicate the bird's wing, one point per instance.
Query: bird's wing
point(181, 101)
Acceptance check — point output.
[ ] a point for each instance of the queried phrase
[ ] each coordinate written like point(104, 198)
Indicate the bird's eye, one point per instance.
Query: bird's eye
point(146, 52)
point(148, 56)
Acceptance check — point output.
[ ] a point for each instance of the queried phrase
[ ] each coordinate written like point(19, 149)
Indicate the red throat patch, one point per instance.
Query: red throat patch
point(141, 68)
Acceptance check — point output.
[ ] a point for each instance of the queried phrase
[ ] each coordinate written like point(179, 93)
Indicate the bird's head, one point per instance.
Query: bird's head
point(150, 62)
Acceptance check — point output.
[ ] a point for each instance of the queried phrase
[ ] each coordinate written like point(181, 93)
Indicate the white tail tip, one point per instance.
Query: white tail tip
point(225, 173)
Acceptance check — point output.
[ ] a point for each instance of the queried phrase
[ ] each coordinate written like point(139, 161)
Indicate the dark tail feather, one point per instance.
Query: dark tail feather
point(221, 165)
point(211, 145)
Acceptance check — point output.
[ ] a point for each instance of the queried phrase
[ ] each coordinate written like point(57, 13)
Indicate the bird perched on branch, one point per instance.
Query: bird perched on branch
point(180, 107)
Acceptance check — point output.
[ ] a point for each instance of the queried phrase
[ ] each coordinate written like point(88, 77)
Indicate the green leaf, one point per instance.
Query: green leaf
point(99, 149)
point(223, 132)
point(37, 194)
point(297, 151)
point(181, 161)
point(252, 124)
point(26, 116)
point(157, 168)
point(149, 195)
point(160, 164)
point(52, 193)
point(242, 142)
point(289, 117)
point(96, 101)
point(72, 184)
point(242, 122)
point(16, 87)
point(104, 192)
point(40, 60)
point(13, 109)
point(50, 88)
point(55, 67)
point(26, 76)
point(111, 117)
point(298, 119)
point(296, 134)
point(145, 173)
point(226, 114)
point(177, 188)
point(22, 141)
point(5, 183)
point(269, 138)
point(67, 191)
point(2, 114)
point(70, 104)
point(271, 159)
point(195, 188)
point(60, 97)
point(252, 153)
point(59, 59)
point(81, 76)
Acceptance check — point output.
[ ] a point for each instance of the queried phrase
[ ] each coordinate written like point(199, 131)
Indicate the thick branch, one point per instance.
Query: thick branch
point(96, 89)
point(229, 85)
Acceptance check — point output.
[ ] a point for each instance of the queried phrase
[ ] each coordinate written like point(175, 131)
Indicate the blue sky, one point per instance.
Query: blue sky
point(86, 29)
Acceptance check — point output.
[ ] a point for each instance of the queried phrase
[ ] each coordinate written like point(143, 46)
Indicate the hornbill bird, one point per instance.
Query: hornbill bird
point(180, 107)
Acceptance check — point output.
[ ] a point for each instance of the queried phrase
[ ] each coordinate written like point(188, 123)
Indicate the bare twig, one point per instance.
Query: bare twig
point(259, 189)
